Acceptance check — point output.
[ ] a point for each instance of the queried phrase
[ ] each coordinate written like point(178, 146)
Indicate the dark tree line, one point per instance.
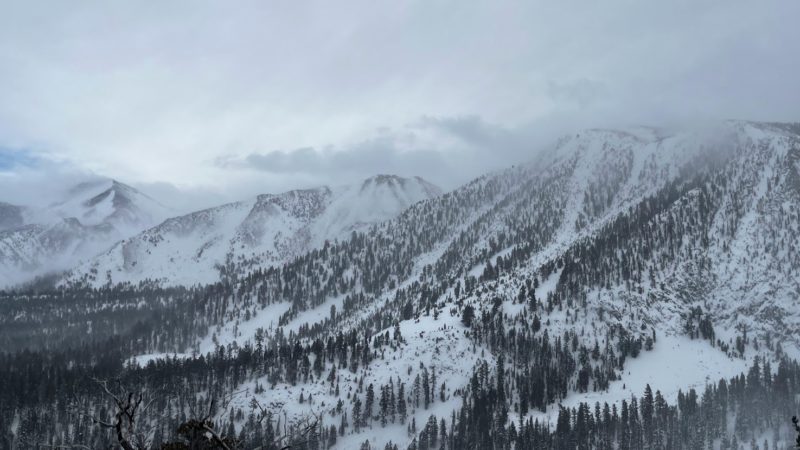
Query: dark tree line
point(753, 404)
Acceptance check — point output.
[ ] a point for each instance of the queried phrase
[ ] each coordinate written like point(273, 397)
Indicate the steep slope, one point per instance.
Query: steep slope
point(270, 229)
point(33, 250)
point(621, 240)
point(109, 202)
point(720, 237)
point(532, 212)
point(89, 219)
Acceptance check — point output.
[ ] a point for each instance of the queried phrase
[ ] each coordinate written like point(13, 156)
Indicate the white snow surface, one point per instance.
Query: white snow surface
point(104, 201)
point(440, 345)
point(87, 220)
point(260, 232)
point(243, 332)
point(675, 364)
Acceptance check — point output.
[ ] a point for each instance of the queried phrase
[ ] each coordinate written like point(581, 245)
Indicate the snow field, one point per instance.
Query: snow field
point(441, 345)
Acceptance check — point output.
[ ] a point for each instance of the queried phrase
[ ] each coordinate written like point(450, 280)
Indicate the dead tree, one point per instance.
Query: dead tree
point(291, 436)
point(131, 432)
point(124, 425)
point(199, 434)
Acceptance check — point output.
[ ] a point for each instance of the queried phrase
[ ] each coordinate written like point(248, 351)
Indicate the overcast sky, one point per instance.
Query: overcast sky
point(219, 100)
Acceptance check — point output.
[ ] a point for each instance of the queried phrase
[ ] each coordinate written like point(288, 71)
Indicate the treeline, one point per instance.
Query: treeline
point(731, 414)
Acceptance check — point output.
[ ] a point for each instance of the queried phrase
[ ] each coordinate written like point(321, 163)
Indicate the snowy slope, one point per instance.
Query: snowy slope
point(441, 345)
point(752, 223)
point(716, 220)
point(87, 220)
point(613, 260)
point(267, 230)
point(110, 202)
point(734, 255)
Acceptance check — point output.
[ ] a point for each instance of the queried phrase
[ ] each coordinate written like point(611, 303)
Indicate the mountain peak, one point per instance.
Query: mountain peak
point(385, 179)
point(269, 229)
point(108, 201)
point(391, 181)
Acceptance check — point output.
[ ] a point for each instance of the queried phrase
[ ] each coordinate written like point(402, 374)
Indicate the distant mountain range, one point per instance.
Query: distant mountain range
point(107, 231)
point(86, 220)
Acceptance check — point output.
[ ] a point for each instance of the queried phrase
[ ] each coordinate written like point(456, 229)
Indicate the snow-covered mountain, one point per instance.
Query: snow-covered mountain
point(673, 254)
point(512, 312)
point(260, 232)
point(89, 218)
point(109, 202)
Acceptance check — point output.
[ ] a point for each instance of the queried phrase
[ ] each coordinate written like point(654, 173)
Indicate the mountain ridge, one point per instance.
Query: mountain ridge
point(614, 264)
point(90, 217)
point(668, 244)
point(264, 230)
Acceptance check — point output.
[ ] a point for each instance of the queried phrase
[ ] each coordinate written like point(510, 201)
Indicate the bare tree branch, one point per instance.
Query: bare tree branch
point(124, 423)
point(215, 436)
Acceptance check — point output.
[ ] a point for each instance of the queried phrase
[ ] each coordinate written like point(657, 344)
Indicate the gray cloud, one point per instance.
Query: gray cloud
point(445, 150)
point(40, 184)
point(582, 91)
point(368, 157)
point(183, 92)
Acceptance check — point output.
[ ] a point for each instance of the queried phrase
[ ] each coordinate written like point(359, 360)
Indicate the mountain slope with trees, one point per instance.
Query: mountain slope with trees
point(486, 317)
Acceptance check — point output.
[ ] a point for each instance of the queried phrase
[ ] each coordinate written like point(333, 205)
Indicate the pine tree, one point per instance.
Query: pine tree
point(357, 417)
point(433, 384)
point(392, 401)
point(468, 315)
point(416, 391)
point(331, 436)
point(426, 387)
point(383, 405)
point(368, 404)
point(648, 406)
point(401, 404)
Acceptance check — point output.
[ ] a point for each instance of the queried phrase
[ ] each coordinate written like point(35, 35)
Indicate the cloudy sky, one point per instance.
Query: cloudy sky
point(208, 101)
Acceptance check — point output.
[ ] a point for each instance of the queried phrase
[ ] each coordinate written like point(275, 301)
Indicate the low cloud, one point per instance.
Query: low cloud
point(251, 98)
point(14, 159)
point(37, 182)
point(444, 150)
point(581, 92)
